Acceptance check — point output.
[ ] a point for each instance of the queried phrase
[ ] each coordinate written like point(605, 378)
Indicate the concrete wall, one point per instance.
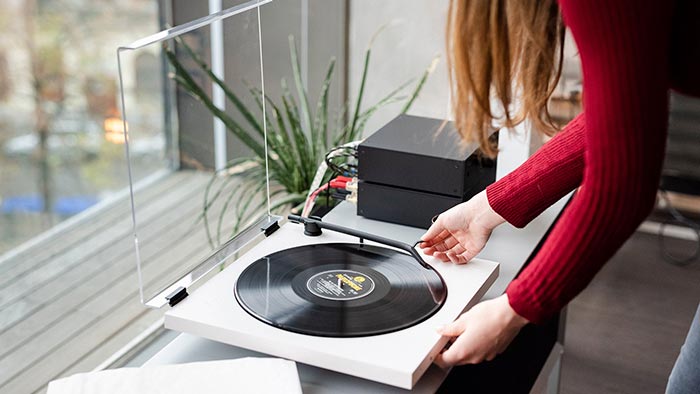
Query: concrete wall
point(413, 36)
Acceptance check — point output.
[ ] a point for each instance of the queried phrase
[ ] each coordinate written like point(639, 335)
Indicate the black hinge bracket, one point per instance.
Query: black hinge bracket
point(176, 296)
point(270, 228)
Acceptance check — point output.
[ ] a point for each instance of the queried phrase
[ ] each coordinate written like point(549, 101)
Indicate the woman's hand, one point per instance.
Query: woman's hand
point(461, 232)
point(481, 333)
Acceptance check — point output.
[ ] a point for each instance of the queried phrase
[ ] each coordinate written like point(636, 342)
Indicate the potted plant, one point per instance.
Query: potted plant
point(297, 138)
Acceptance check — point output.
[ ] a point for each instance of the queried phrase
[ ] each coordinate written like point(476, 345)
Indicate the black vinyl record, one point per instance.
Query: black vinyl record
point(340, 290)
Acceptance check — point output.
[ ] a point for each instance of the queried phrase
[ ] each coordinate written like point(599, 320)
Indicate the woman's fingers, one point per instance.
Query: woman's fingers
point(456, 258)
point(454, 329)
point(456, 352)
point(450, 250)
point(441, 256)
point(435, 234)
point(451, 256)
point(463, 254)
point(434, 241)
point(446, 245)
point(483, 332)
point(431, 246)
point(464, 350)
point(440, 362)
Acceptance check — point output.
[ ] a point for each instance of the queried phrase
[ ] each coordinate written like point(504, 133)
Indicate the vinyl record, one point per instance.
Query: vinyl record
point(340, 290)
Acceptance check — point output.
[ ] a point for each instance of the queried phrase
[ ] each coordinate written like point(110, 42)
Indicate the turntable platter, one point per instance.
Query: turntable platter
point(340, 290)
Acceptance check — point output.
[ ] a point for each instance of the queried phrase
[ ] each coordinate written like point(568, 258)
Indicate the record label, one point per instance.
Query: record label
point(340, 285)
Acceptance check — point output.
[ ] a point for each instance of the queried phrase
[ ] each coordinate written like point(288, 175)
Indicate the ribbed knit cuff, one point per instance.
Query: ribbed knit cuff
point(500, 197)
point(554, 170)
point(525, 304)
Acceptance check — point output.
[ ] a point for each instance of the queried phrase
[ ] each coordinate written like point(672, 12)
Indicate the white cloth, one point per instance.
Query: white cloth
point(245, 375)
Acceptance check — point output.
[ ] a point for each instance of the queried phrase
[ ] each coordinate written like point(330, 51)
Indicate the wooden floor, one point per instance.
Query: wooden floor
point(71, 301)
point(625, 330)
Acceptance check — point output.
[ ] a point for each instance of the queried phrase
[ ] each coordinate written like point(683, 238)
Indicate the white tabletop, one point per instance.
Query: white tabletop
point(508, 246)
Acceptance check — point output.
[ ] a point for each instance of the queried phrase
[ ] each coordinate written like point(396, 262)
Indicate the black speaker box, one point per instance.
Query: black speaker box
point(414, 168)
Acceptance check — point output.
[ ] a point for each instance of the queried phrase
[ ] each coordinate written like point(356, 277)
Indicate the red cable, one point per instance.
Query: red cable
point(339, 182)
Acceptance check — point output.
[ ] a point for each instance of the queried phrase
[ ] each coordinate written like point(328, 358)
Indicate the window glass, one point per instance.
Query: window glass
point(61, 145)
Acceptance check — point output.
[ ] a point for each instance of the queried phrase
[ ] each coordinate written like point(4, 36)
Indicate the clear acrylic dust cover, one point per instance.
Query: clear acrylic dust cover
point(192, 124)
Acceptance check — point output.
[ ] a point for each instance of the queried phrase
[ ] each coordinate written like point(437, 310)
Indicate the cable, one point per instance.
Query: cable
point(679, 218)
point(309, 205)
point(339, 183)
point(346, 152)
point(323, 167)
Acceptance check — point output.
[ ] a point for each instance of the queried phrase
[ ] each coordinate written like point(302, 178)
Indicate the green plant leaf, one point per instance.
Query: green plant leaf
point(301, 142)
point(282, 144)
point(242, 108)
point(361, 92)
point(420, 84)
point(249, 190)
point(191, 86)
point(290, 199)
point(230, 171)
point(321, 121)
point(301, 91)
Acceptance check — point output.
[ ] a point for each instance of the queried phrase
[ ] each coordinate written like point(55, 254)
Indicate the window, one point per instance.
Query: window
point(61, 147)
point(62, 159)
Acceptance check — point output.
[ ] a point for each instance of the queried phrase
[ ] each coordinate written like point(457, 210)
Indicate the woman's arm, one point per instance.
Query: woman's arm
point(624, 53)
point(624, 48)
point(554, 170)
point(461, 232)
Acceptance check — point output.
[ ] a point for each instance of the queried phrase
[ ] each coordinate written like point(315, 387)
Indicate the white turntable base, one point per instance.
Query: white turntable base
point(399, 358)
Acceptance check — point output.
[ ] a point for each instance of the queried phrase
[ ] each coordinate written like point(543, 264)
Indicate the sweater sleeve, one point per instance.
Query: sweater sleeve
point(554, 170)
point(623, 45)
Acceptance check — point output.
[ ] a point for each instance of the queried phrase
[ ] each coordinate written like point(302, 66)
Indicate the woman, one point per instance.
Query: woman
point(632, 52)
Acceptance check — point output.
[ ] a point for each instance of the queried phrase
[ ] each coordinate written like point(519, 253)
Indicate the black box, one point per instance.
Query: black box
point(414, 168)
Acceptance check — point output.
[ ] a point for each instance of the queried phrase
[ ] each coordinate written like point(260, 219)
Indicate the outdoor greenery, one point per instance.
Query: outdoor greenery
point(297, 138)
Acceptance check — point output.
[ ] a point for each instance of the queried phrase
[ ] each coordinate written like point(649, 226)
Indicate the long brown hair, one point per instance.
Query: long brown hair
point(501, 49)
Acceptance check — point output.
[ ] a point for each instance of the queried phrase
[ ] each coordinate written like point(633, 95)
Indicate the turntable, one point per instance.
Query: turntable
point(362, 309)
point(303, 289)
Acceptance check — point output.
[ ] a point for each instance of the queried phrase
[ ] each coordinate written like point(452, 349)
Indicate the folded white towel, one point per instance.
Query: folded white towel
point(245, 375)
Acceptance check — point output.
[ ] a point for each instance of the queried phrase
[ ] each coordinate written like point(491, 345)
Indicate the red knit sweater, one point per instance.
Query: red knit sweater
point(614, 150)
